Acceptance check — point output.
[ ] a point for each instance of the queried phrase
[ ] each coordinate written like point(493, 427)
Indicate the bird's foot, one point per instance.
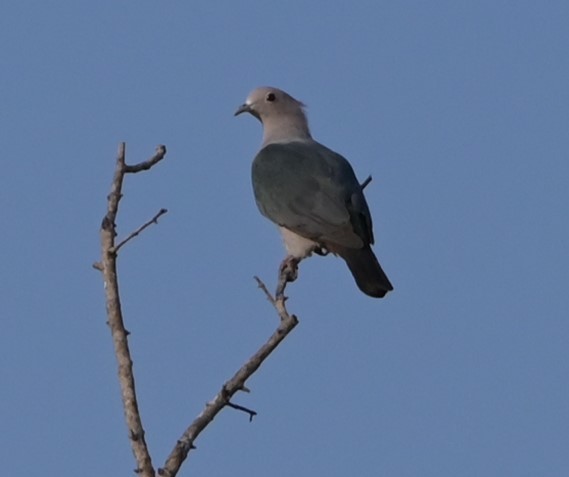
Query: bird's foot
point(321, 250)
point(288, 272)
point(289, 268)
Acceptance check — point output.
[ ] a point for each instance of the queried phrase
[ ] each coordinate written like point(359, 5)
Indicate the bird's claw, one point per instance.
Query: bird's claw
point(289, 269)
point(322, 251)
point(288, 272)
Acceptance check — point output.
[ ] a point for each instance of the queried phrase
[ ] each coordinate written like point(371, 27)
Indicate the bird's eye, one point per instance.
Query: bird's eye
point(270, 97)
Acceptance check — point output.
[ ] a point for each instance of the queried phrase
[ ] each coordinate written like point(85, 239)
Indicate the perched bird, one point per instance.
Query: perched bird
point(310, 191)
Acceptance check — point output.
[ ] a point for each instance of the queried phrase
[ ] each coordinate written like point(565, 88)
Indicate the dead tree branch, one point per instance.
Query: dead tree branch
point(108, 267)
point(251, 413)
point(365, 183)
point(235, 384)
point(153, 220)
point(145, 165)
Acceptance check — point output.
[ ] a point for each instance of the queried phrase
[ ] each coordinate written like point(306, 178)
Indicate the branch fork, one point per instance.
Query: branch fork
point(108, 267)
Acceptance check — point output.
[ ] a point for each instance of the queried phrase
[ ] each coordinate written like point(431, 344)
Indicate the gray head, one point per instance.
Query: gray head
point(282, 116)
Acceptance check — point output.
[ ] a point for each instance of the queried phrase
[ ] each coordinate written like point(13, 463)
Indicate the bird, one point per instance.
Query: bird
point(310, 192)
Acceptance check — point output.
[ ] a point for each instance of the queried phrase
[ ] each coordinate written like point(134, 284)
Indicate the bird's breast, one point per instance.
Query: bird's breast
point(296, 245)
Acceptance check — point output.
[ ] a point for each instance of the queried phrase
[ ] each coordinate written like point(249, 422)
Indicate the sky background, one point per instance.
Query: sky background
point(460, 112)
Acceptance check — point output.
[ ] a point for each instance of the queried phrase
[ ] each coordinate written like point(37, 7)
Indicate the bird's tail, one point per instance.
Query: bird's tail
point(367, 271)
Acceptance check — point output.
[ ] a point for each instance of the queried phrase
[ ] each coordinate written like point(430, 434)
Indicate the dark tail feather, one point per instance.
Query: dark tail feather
point(367, 271)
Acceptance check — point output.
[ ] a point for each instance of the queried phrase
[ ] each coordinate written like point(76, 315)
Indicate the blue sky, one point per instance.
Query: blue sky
point(459, 110)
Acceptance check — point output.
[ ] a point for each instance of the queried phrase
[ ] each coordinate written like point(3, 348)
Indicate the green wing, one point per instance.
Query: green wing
point(312, 191)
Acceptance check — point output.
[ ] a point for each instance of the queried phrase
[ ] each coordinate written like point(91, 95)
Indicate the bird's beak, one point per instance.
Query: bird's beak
point(244, 108)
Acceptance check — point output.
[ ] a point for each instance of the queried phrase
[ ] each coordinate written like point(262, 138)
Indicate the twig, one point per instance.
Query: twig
point(108, 267)
point(236, 383)
point(153, 220)
point(244, 409)
point(278, 303)
point(365, 183)
point(263, 287)
point(145, 165)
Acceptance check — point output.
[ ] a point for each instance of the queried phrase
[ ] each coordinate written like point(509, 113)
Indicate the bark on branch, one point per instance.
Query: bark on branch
point(108, 267)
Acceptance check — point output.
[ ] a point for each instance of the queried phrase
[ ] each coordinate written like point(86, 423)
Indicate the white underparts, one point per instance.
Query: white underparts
point(297, 246)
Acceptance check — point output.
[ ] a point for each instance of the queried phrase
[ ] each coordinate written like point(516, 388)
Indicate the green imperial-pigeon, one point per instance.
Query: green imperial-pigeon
point(310, 191)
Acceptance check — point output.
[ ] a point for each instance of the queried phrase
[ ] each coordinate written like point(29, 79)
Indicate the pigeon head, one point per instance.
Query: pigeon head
point(282, 116)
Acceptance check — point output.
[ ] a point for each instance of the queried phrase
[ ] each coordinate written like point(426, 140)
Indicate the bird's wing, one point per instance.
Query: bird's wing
point(312, 191)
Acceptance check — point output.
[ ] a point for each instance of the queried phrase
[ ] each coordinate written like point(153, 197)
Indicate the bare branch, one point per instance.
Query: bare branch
point(278, 303)
point(365, 183)
point(153, 220)
point(263, 287)
point(244, 409)
point(108, 267)
point(145, 165)
point(236, 383)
